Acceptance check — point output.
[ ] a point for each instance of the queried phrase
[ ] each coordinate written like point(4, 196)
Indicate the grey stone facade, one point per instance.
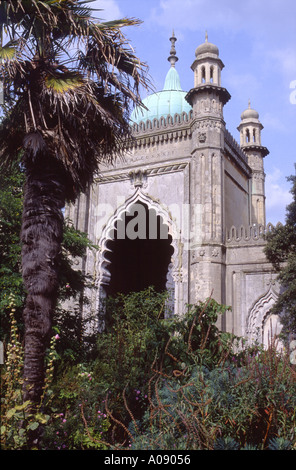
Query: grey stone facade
point(207, 191)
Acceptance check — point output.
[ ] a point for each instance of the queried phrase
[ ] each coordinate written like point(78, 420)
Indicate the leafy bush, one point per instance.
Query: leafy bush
point(226, 407)
point(21, 424)
point(79, 420)
point(136, 340)
point(156, 383)
point(70, 418)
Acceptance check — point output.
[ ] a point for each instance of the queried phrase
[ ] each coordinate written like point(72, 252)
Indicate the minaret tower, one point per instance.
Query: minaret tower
point(250, 140)
point(207, 99)
point(207, 175)
point(207, 69)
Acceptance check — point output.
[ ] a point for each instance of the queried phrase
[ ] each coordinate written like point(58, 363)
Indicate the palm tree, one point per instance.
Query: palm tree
point(69, 83)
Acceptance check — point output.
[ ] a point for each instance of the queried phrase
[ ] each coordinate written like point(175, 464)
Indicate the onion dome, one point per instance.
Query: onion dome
point(207, 48)
point(249, 113)
point(250, 132)
point(170, 101)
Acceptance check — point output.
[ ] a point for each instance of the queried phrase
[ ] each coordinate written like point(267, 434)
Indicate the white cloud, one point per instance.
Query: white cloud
point(236, 82)
point(273, 122)
point(284, 58)
point(259, 36)
point(230, 15)
point(195, 14)
point(110, 10)
point(278, 196)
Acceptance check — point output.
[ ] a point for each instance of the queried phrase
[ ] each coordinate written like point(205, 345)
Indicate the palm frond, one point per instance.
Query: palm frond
point(8, 52)
point(72, 81)
point(116, 24)
point(63, 82)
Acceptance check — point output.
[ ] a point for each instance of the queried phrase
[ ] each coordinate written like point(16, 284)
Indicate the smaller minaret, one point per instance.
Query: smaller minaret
point(250, 140)
point(207, 69)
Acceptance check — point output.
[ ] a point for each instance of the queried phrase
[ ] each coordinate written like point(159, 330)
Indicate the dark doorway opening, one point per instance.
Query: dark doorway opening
point(140, 252)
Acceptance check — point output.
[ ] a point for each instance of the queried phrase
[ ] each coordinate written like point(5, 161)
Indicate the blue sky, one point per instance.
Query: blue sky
point(257, 43)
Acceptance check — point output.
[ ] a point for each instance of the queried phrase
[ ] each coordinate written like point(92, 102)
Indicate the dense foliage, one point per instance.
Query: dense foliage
point(156, 382)
point(72, 280)
point(70, 82)
point(11, 206)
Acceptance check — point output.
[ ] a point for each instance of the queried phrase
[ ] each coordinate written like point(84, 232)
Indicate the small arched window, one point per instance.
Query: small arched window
point(203, 74)
point(247, 136)
point(211, 74)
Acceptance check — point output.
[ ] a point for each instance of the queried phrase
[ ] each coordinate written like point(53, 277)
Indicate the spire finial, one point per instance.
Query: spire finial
point(207, 37)
point(173, 58)
point(249, 104)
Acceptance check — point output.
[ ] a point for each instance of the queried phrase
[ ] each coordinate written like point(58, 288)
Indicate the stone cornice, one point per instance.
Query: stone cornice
point(165, 129)
point(223, 94)
point(256, 148)
point(250, 235)
point(110, 177)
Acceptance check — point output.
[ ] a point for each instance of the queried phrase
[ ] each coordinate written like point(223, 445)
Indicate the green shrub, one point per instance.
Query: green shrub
point(225, 407)
point(21, 424)
point(157, 383)
point(79, 420)
point(136, 343)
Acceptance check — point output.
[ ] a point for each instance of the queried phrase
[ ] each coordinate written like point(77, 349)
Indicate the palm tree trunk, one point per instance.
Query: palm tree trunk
point(41, 237)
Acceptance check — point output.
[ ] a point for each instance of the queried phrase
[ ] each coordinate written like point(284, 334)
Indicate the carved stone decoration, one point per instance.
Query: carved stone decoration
point(138, 178)
point(197, 254)
point(177, 275)
point(259, 314)
point(202, 137)
point(243, 235)
point(271, 282)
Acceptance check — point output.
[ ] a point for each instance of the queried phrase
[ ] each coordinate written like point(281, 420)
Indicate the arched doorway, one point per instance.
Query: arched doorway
point(139, 252)
point(159, 242)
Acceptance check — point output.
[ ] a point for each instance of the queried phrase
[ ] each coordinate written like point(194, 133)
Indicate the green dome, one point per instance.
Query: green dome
point(169, 101)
